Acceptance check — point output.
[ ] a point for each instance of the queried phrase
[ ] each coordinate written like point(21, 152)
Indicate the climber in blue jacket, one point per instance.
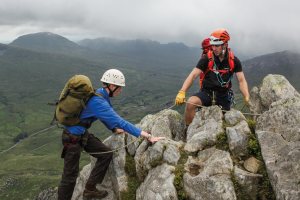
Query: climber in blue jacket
point(77, 137)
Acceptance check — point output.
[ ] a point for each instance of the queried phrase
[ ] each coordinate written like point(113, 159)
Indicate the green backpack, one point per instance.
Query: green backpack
point(72, 100)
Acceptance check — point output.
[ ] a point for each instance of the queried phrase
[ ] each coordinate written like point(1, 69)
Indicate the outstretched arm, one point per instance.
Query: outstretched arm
point(186, 85)
point(243, 85)
point(190, 79)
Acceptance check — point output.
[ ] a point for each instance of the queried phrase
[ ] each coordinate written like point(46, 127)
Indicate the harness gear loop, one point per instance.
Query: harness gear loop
point(213, 102)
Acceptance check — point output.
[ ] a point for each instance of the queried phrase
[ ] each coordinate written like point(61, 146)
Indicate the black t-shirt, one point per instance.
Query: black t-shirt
point(211, 80)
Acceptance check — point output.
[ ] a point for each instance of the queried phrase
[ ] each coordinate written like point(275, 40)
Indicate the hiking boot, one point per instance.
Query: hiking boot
point(93, 192)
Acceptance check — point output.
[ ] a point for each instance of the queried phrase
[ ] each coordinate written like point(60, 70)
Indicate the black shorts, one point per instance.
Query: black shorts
point(222, 99)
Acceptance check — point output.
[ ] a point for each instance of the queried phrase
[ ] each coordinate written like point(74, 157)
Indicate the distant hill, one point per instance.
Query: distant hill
point(47, 42)
point(139, 53)
point(285, 63)
point(145, 48)
point(147, 52)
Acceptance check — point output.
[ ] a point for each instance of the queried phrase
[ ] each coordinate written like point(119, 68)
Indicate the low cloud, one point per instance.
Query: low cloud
point(256, 27)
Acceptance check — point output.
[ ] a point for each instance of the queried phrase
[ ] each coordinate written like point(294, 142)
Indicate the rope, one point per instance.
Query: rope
point(35, 133)
point(117, 149)
point(198, 105)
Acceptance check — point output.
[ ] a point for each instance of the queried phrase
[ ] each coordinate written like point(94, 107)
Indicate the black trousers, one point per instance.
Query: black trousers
point(72, 153)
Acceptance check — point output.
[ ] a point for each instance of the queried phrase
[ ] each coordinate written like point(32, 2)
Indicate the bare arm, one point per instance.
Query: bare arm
point(243, 85)
point(190, 79)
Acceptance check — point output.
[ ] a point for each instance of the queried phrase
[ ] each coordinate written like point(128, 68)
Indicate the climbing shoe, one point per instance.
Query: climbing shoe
point(94, 194)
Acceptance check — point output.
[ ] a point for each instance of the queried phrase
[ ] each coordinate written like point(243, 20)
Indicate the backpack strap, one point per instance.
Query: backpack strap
point(86, 124)
point(231, 60)
point(210, 57)
point(210, 65)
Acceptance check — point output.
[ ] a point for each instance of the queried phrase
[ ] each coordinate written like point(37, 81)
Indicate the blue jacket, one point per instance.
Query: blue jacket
point(100, 108)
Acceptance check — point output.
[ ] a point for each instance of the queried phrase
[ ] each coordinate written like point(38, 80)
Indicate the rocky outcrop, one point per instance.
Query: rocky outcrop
point(158, 184)
point(154, 163)
point(273, 89)
point(148, 157)
point(278, 133)
point(216, 162)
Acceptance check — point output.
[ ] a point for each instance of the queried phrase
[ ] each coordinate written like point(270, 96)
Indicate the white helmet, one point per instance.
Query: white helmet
point(113, 76)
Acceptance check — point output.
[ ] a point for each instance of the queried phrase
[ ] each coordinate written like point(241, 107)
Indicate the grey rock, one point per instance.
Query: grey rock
point(148, 157)
point(233, 117)
point(256, 106)
point(118, 162)
point(283, 117)
point(47, 194)
point(238, 137)
point(248, 181)
point(273, 88)
point(204, 129)
point(158, 185)
point(132, 143)
point(167, 123)
point(213, 180)
point(278, 133)
point(81, 181)
point(282, 162)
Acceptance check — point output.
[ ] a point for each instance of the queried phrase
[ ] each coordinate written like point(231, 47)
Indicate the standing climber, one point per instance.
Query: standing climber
point(77, 137)
point(215, 69)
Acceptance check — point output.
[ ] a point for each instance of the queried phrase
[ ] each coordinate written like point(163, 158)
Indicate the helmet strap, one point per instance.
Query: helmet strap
point(111, 92)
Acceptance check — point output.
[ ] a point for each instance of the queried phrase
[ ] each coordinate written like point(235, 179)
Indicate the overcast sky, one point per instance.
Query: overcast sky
point(256, 26)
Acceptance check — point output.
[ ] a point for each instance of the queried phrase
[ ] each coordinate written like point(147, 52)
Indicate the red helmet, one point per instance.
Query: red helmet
point(219, 36)
point(206, 43)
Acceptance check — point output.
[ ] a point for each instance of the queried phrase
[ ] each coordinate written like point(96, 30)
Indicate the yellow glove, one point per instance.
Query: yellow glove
point(246, 101)
point(180, 97)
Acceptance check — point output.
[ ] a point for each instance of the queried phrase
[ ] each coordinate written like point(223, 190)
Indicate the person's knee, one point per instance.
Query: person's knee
point(194, 102)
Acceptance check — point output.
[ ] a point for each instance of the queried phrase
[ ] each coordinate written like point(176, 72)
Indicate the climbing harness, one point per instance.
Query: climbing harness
point(213, 102)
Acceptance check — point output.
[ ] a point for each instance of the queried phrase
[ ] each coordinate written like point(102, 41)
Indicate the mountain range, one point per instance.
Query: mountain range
point(34, 68)
point(148, 54)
